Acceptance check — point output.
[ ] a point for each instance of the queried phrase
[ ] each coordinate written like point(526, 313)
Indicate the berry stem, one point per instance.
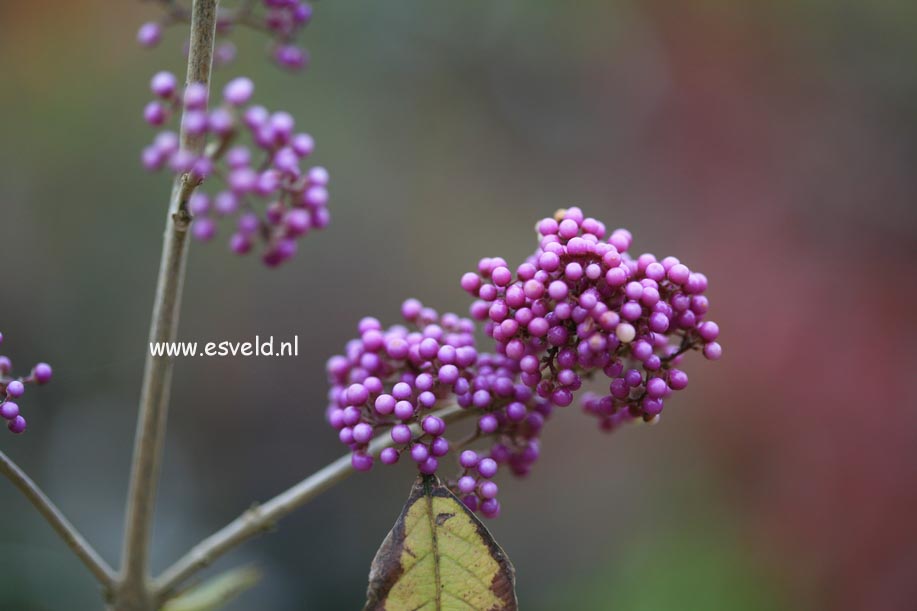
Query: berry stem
point(74, 540)
point(260, 518)
point(133, 591)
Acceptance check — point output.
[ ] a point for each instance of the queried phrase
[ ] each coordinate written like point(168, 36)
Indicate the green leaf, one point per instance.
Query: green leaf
point(215, 593)
point(440, 557)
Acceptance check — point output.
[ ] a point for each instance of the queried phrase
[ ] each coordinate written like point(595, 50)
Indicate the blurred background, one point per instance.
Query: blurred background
point(771, 145)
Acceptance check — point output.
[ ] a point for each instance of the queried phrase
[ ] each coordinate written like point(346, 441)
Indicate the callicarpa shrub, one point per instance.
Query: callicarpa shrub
point(581, 307)
point(582, 312)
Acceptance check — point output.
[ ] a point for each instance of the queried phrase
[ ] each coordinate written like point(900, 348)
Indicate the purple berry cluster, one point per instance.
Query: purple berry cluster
point(266, 192)
point(12, 388)
point(581, 305)
point(389, 379)
point(283, 20)
point(509, 414)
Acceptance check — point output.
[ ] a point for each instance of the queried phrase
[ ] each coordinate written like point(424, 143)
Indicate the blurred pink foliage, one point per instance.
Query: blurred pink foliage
point(814, 417)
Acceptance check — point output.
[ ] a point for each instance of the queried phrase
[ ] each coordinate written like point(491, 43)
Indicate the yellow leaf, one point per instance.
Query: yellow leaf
point(440, 557)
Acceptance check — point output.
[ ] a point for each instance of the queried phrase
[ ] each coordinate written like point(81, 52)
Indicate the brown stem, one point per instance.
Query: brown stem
point(134, 592)
point(74, 540)
point(260, 518)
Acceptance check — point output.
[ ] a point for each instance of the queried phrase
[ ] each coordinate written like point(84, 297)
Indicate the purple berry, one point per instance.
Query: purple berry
point(224, 53)
point(429, 466)
point(195, 97)
point(361, 462)
point(357, 394)
point(221, 121)
point(238, 91)
point(9, 410)
point(419, 453)
point(656, 388)
point(678, 380)
point(708, 330)
point(290, 56)
point(384, 404)
point(203, 229)
point(466, 484)
point(240, 244)
point(404, 410)
point(490, 508)
point(155, 113)
point(488, 423)
point(487, 467)
point(488, 490)
point(401, 434)
point(195, 122)
point(149, 34)
point(433, 426)
point(302, 144)
point(42, 373)
point(199, 204)
point(389, 456)
point(469, 459)
point(15, 389)
point(713, 351)
point(439, 446)
point(362, 433)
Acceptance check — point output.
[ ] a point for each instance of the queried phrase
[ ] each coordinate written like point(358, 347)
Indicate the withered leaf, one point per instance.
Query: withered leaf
point(440, 557)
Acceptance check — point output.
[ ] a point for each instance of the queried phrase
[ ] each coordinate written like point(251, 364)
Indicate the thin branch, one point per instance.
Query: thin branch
point(74, 540)
point(157, 378)
point(243, 15)
point(261, 518)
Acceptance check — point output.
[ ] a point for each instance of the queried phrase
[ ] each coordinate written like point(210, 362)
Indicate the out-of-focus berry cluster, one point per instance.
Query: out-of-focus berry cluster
point(283, 20)
point(12, 388)
point(582, 306)
point(579, 308)
point(267, 193)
